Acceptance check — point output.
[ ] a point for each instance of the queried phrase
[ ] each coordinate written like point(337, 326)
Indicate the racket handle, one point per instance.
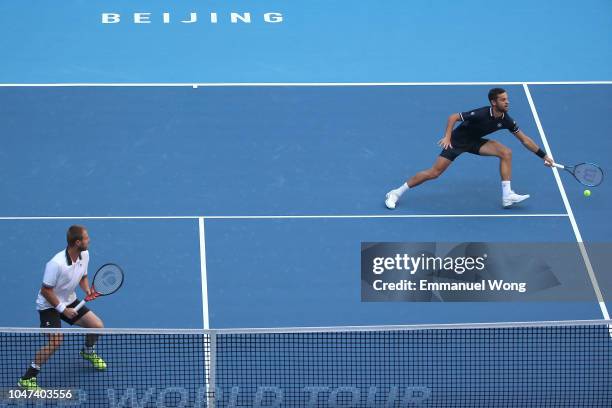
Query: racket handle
point(559, 166)
point(79, 306)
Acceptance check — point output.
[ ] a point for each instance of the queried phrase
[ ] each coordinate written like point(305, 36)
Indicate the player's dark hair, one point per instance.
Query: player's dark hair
point(74, 234)
point(495, 92)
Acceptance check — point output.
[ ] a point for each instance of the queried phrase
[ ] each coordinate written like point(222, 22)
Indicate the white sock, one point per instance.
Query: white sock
point(401, 189)
point(506, 189)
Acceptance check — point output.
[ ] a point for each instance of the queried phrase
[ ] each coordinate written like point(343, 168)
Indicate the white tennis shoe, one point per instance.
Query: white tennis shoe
point(513, 198)
point(391, 199)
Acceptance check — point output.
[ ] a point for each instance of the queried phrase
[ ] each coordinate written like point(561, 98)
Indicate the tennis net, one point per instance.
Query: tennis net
point(537, 364)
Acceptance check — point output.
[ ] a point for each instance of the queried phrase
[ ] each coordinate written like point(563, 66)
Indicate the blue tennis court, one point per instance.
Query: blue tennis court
point(286, 185)
point(234, 166)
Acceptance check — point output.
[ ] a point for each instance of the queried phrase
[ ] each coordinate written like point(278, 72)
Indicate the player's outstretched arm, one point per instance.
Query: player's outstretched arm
point(533, 147)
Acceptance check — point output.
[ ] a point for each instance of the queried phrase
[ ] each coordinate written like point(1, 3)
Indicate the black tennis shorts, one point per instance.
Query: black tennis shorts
point(471, 147)
point(51, 317)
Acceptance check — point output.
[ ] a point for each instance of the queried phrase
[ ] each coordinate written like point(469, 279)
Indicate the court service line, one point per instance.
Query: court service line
point(246, 217)
point(203, 273)
point(568, 208)
point(301, 84)
point(279, 217)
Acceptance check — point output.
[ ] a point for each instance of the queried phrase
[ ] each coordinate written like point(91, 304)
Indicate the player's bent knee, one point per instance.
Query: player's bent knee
point(96, 323)
point(434, 173)
point(506, 154)
point(93, 322)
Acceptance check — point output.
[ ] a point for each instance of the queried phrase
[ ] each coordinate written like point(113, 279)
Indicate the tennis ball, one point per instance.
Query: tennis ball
point(587, 193)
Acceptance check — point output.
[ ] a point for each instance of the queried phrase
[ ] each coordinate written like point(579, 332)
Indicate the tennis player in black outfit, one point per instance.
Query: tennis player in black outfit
point(469, 137)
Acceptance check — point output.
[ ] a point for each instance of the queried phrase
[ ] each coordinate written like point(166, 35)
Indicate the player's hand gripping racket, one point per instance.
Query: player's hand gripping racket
point(107, 280)
point(589, 174)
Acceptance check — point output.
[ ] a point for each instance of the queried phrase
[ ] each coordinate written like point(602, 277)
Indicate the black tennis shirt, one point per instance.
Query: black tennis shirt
point(478, 123)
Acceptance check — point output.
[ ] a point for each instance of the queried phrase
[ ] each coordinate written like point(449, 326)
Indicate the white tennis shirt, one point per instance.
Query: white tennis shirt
point(63, 276)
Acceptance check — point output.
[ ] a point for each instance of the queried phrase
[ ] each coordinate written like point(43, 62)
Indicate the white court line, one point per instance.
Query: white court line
point(210, 359)
point(279, 217)
point(568, 208)
point(263, 84)
point(204, 276)
point(110, 217)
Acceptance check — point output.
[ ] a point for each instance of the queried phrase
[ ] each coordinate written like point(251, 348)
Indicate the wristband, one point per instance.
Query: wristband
point(61, 307)
point(541, 153)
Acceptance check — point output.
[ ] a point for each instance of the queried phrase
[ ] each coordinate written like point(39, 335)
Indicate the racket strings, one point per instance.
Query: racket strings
point(108, 280)
point(588, 174)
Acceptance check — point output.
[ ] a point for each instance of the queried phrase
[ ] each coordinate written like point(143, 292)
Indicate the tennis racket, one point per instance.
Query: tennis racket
point(589, 174)
point(107, 280)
